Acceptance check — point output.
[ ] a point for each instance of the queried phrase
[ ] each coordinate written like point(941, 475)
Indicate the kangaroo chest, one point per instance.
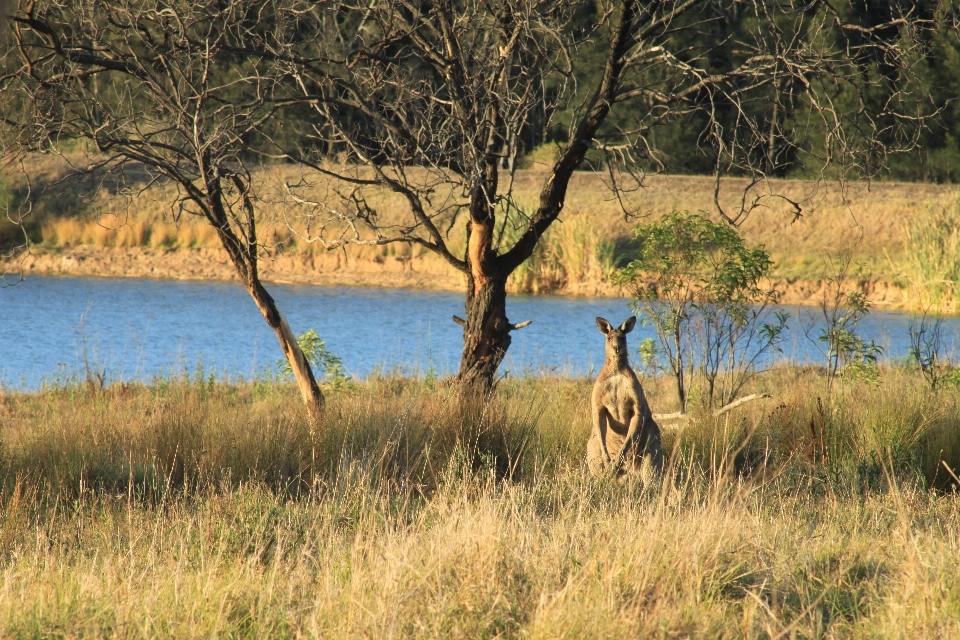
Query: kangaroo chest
point(619, 397)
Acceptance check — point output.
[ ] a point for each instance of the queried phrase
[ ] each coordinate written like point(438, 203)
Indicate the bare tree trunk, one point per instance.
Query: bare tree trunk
point(486, 333)
point(243, 254)
point(312, 396)
point(681, 386)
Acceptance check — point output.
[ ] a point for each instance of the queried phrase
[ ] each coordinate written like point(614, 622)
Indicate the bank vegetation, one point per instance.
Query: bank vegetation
point(904, 238)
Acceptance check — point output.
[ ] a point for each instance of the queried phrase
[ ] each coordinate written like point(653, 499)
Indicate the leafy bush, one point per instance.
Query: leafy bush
point(926, 353)
point(327, 366)
point(846, 352)
point(700, 287)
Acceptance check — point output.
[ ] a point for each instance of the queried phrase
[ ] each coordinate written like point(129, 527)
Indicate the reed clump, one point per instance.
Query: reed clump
point(887, 226)
point(198, 508)
point(112, 230)
point(932, 256)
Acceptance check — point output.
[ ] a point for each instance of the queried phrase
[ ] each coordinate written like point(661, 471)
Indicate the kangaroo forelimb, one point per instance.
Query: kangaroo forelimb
point(600, 432)
point(635, 424)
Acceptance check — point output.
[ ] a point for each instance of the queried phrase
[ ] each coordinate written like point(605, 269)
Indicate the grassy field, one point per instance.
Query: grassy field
point(905, 235)
point(206, 509)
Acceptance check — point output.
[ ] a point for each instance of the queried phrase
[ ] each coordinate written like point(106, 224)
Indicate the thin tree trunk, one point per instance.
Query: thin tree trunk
point(681, 390)
point(309, 390)
point(243, 254)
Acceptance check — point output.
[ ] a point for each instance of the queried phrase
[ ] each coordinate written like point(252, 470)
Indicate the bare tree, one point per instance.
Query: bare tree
point(428, 100)
point(155, 86)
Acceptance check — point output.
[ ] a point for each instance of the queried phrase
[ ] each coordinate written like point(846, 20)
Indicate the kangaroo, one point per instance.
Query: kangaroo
point(622, 422)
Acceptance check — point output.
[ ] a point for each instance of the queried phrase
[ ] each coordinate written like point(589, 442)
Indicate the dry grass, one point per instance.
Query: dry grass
point(125, 226)
point(932, 263)
point(880, 223)
point(204, 509)
point(873, 217)
point(870, 219)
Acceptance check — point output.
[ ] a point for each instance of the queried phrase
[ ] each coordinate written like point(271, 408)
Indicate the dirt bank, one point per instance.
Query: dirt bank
point(213, 264)
point(337, 268)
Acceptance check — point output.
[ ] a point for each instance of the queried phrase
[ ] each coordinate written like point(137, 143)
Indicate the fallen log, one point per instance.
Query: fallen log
point(736, 403)
point(686, 417)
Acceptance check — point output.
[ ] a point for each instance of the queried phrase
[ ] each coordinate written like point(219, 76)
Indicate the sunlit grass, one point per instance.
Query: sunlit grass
point(185, 509)
point(932, 258)
point(885, 226)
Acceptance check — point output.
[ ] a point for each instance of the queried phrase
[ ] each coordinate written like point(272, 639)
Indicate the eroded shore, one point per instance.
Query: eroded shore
point(340, 269)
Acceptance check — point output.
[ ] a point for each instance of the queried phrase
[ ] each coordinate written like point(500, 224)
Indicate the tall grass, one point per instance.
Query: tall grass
point(885, 222)
point(573, 251)
point(112, 230)
point(932, 258)
point(205, 509)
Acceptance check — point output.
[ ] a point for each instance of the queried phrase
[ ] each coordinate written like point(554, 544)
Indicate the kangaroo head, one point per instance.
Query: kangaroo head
point(616, 348)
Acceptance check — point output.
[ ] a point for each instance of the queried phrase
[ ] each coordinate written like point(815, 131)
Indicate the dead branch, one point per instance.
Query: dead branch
point(686, 417)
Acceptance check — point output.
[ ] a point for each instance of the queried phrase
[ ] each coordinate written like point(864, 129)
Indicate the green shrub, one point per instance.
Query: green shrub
point(700, 287)
point(324, 362)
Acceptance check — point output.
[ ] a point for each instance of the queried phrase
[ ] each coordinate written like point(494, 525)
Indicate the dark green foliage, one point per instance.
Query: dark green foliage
point(796, 142)
point(684, 144)
point(16, 226)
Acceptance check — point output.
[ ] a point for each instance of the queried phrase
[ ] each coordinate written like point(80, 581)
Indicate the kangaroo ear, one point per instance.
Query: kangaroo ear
point(604, 326)
point(628, 324)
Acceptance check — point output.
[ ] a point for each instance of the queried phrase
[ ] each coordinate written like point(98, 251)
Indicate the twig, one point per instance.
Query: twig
point(950, 471)
point(665, 417)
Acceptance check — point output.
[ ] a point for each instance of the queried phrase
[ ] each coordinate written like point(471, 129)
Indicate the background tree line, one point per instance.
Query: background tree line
point(676, 145)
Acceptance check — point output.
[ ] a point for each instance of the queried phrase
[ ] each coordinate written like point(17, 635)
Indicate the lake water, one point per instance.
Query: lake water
point(136, 329)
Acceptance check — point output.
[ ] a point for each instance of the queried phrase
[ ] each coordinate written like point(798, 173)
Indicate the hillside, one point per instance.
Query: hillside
point(901, 234)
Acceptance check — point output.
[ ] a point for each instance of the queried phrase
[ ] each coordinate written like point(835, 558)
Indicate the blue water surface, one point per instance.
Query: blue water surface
point(135, 329)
